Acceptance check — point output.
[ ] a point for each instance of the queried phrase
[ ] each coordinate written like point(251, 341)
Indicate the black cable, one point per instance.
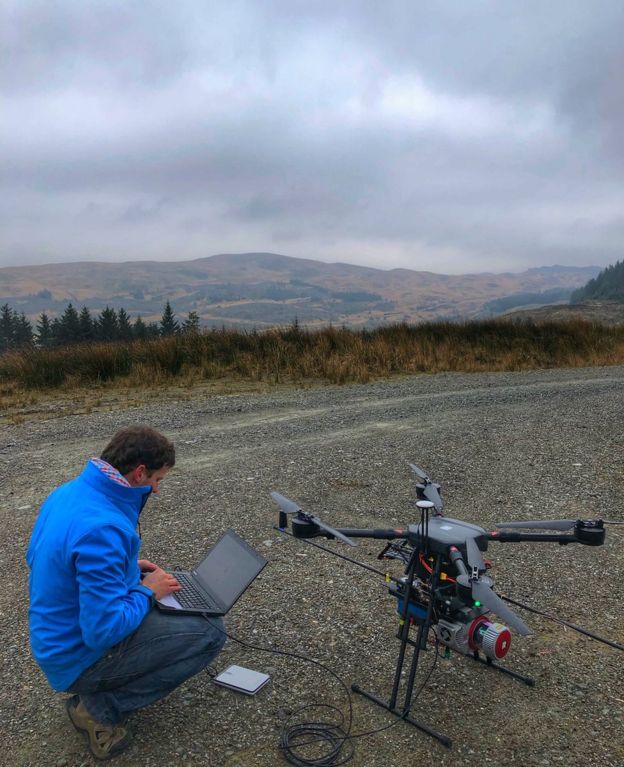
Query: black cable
point(370, 568)
point(333, 734)
point(573, 626)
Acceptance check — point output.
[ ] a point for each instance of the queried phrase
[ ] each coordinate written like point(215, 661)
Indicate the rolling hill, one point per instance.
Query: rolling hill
point(261, 289)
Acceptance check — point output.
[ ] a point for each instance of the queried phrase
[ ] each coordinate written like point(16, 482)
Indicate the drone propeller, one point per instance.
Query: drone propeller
point(482, 590)
point(481, 586)
point(419, 472)
point(290, 507)
point(430, 490)
point(285, 504)
point(475, 560)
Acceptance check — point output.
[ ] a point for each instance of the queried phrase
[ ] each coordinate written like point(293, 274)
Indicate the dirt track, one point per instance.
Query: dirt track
point(544, 444)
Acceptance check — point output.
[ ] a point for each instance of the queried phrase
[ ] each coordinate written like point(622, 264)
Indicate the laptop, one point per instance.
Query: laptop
point(218, 580)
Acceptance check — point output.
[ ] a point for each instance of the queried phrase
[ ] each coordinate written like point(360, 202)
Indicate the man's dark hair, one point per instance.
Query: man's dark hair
point(137, 445)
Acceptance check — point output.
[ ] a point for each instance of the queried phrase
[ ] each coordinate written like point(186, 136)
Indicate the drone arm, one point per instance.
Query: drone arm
point(590, 532)
point(545, 537)
point(311, 528)
point(387, 534)
point(456, 558)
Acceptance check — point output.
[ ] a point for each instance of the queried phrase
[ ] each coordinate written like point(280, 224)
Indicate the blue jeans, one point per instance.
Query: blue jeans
point(148, 664)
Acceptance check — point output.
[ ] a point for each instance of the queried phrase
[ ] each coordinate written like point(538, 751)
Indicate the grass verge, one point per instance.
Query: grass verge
point(90, 377)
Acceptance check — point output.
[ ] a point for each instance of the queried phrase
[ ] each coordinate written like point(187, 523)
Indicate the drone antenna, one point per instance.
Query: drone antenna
point(425, 507)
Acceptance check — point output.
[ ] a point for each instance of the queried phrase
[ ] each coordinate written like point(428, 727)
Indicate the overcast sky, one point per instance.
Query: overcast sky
point(448, 135)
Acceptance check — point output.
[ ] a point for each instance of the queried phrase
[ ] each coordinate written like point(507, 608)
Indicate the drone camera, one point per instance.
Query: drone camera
point(493, 639)
point(480, 634)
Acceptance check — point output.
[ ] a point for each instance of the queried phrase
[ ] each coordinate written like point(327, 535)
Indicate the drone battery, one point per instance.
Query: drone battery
point(417, 612)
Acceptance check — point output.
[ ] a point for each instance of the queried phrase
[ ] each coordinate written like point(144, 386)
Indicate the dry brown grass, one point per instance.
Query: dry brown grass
point(113, 375)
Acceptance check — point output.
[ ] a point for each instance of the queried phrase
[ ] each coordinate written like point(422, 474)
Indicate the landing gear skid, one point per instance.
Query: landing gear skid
point(529, 681)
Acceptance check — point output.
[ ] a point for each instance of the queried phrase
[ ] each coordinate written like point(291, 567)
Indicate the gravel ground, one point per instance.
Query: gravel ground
point(539, 444)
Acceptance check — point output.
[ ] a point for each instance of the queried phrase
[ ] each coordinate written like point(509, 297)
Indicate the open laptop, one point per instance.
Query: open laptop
point(218, 580)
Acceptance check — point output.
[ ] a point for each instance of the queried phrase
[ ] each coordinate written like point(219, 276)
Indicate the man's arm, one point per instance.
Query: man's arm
point(111, 607)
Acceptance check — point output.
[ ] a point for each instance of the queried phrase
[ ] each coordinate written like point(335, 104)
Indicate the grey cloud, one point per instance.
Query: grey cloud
point(489, 130)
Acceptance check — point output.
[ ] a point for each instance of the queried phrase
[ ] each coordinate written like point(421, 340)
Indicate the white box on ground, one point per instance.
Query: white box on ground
point(242, 679)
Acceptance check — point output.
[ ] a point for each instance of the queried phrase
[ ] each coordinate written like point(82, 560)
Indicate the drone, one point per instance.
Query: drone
point(445, 586)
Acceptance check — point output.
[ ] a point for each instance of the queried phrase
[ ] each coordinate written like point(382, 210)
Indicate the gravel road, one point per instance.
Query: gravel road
point(503, 446)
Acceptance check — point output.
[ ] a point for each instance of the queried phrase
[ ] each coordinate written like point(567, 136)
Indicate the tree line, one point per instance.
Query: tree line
point(76, 327)
point(608, 286)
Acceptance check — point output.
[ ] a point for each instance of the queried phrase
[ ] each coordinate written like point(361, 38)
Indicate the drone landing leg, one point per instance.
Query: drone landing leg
point(529, 681)
point(423, 630)
point(443, 739)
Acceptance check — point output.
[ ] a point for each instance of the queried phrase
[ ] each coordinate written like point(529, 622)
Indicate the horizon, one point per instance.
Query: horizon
point(297, 258)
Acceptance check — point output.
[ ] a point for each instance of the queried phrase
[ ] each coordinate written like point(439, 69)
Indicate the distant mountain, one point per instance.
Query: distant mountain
point(261, 289)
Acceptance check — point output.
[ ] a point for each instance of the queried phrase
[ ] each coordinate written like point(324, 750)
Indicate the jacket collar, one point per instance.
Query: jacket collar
point(130, 500)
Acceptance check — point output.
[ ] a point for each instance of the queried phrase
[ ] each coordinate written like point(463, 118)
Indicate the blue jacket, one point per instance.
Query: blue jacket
point(85, 589)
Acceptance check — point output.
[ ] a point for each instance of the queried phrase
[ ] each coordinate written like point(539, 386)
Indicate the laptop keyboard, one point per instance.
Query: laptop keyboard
point(190, 595)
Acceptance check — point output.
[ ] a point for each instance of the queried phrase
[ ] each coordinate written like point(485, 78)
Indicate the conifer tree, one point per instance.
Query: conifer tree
point(124, 326)
point(139, 330)
point(56, 331)
point(45, 336)
point(15, 329)
point(23, 334)
point(107, 325)
point(191, 324)
point(153, 330)
point(168, 324)
point(608, 285)
point(69, 326)
point(7, 328)
point(86, 325)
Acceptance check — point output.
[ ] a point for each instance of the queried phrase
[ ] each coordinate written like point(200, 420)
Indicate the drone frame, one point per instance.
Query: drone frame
point(306, 526)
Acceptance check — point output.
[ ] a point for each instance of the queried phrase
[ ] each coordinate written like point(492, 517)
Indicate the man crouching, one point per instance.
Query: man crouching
point(94, 628)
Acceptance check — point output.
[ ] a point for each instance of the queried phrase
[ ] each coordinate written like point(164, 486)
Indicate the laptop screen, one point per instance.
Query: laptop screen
point(229, 567)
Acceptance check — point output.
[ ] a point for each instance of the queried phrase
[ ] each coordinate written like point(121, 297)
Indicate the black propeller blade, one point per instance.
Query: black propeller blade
point(431, 494)
point(481, 586)
point(332, 531)
point(290, 507)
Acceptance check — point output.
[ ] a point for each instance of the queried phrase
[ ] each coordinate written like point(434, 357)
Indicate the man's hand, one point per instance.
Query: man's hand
point(145, 566)
point(159, 581)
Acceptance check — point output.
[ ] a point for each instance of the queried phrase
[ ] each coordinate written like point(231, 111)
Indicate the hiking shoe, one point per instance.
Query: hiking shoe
point(105, 741)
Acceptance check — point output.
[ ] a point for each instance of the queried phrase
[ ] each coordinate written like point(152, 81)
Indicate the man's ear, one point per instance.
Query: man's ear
point(137, 476)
